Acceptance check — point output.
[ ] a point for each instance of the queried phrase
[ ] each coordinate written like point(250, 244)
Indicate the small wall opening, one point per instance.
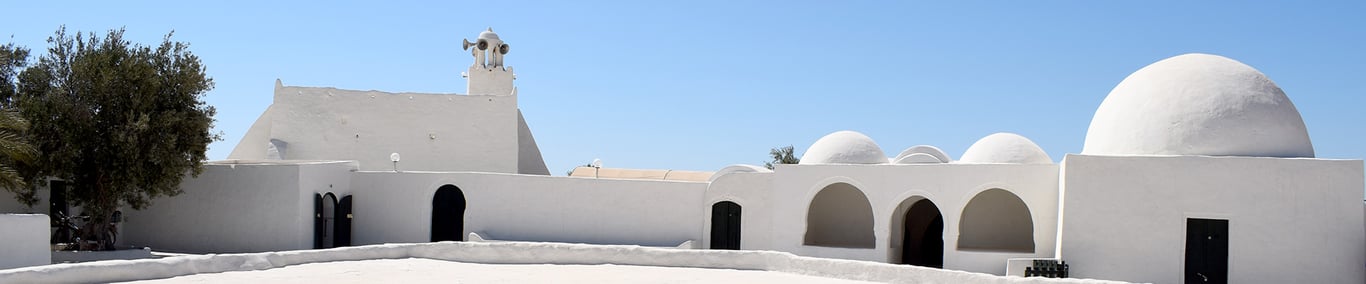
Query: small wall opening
point(448, 214)
point(840, 216)
point(996, 220)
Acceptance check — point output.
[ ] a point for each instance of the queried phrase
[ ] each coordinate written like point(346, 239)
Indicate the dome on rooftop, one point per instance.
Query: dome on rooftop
point(1005, 148)
point(844, 147)
point(1198, 104)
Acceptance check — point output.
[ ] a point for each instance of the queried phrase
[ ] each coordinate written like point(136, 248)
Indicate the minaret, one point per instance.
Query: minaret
point(488, 76)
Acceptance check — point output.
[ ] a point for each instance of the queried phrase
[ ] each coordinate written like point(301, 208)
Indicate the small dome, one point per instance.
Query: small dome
point(738, 168)
point(927, 150)
point(488, 34)
point(844, 147)
point(1198, 104)
point(1005, 148)
point(917, 158)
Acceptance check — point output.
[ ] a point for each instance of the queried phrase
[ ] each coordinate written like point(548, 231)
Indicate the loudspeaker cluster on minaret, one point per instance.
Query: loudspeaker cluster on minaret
point(488, 75)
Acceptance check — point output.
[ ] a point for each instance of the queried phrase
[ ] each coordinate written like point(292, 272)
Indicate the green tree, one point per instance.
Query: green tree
point(121, 123)
point(12, 60)
point(782, 155)
point(14, 149)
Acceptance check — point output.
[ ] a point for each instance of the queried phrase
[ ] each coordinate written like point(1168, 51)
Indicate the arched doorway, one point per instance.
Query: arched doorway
point(324, 220)
point(922, 236)
point(448, 214)
point(329, 216)
point(996, 220)
point(840, 216)
point(725, 225)
point(319, 227)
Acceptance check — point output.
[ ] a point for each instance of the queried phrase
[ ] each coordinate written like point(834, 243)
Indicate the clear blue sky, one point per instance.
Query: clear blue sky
point(698, 85)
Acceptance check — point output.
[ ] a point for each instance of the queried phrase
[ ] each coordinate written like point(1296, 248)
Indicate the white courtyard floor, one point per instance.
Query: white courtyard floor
point(420, 270)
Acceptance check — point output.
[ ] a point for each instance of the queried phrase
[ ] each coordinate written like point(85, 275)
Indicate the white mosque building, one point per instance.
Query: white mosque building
point(1196, 167)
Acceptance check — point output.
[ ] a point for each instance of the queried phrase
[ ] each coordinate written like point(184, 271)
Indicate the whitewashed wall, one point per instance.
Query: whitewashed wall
point(24, 240)
point(949, 186)
point(510, 253)
point(10, 205)
point(753, 192)
point(529, 160)
point(1290, 220)
point(248, 207)
point(432, 132)
point(396, 207)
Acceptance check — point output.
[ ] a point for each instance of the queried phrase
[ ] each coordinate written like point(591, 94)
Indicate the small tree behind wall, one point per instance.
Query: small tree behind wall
point(121, 123)
point(782, 155)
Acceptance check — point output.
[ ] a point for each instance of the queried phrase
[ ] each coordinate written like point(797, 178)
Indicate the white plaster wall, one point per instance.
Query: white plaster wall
point(510, 253)
point(396, 207)
point(529, 159)
point(236, 208)
point(949, 186)
point(10, 205)
point(24, 240)
point(253, 143)
point(490, 80)
point(1290, 220)
point(752, 191)
point(432, 132)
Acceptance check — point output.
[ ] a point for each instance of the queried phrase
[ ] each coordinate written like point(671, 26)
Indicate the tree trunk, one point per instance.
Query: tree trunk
point(97, 232)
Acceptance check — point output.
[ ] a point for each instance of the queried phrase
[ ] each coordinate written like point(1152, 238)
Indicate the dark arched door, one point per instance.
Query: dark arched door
point(923, 239)
point(448, 214)
point(342, 230)
point(725, 225)
point(319, 227)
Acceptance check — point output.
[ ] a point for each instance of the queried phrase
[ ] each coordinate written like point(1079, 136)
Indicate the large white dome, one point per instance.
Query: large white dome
point(844, 147)
point(1198, 104)
point(1004, 148)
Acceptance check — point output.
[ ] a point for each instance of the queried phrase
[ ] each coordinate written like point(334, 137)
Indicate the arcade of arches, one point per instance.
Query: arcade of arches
point(840, 215)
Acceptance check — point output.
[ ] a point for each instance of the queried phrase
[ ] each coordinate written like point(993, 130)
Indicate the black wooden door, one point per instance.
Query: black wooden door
point(1206, 251)
point(319, 226)
point(57, 199)
point(725, 225)
point(342, 230)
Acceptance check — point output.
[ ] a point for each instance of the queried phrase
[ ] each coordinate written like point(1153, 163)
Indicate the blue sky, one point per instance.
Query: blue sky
point(698, 85)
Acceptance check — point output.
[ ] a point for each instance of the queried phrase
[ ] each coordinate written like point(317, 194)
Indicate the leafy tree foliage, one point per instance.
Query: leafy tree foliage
point(120, 122)
point(12, 60)
point(14, 149)
point(782, 155)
